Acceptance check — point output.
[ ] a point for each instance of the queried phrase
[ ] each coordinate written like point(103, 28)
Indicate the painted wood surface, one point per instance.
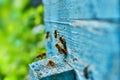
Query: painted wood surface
point(41, 70)
point(93, 43)
point(91, 33)
point(82, 9)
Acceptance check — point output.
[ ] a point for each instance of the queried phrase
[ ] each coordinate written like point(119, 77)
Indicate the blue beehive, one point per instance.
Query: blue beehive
point(87, 31)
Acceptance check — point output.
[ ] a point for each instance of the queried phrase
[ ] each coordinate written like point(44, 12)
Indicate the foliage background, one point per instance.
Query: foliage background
point(21, 37)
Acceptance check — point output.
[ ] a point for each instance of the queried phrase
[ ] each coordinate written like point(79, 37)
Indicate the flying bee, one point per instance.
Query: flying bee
point(47, 35)
point(55, 33)
point(41, 55)
point(50, 63)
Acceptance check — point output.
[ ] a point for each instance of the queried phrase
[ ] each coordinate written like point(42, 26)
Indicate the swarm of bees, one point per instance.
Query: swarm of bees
point(60, 50)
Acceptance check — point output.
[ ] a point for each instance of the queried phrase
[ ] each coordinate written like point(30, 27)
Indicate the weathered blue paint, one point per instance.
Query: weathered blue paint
point(41, 71)
point(91, 31)
point(96, 46)
point(80, 9)
point(95, 43)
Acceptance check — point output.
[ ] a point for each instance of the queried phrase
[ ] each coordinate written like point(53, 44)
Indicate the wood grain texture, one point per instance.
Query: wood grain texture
point(94, 43)
point(91, 31)
point(80, 9)
point(40, 70)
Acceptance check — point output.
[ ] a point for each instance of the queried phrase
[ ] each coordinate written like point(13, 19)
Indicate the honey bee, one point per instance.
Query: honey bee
point(61, 50)
point(58, 47)
point(41, 55)
point(61, 39)
point(47, 35)
point(55, 33)
point(50, 63)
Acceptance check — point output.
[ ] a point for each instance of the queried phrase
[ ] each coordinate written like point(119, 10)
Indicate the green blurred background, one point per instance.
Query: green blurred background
point(21, 37)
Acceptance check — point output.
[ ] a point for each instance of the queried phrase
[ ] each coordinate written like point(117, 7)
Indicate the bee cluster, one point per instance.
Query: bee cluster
point(60, 46)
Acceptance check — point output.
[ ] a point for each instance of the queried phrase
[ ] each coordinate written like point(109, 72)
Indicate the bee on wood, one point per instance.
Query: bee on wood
point(61, 39)
point(85, 72)
point(55, 33)
point(41, 55)
point(57, 46)
point(61, 50)
point(50, 63)
point(47, 35)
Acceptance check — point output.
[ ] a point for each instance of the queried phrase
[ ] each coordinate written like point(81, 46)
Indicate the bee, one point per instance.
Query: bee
point(58, 46)
point(50, 63)
point(61, 50)
point(85, 72)
point(47, 35)
point(61, 40)
point(55, 33)
point(41, 55)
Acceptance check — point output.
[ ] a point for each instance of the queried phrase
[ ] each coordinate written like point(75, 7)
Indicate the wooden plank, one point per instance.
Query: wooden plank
point(41, 70)
point(93, 43)
point(90, 30)
point(80, 9)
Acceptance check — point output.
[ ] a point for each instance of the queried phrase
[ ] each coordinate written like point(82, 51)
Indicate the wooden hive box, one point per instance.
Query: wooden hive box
point(85, 36)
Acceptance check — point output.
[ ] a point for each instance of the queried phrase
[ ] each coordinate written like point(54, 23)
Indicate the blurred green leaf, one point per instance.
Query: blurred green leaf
point(19, 44)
